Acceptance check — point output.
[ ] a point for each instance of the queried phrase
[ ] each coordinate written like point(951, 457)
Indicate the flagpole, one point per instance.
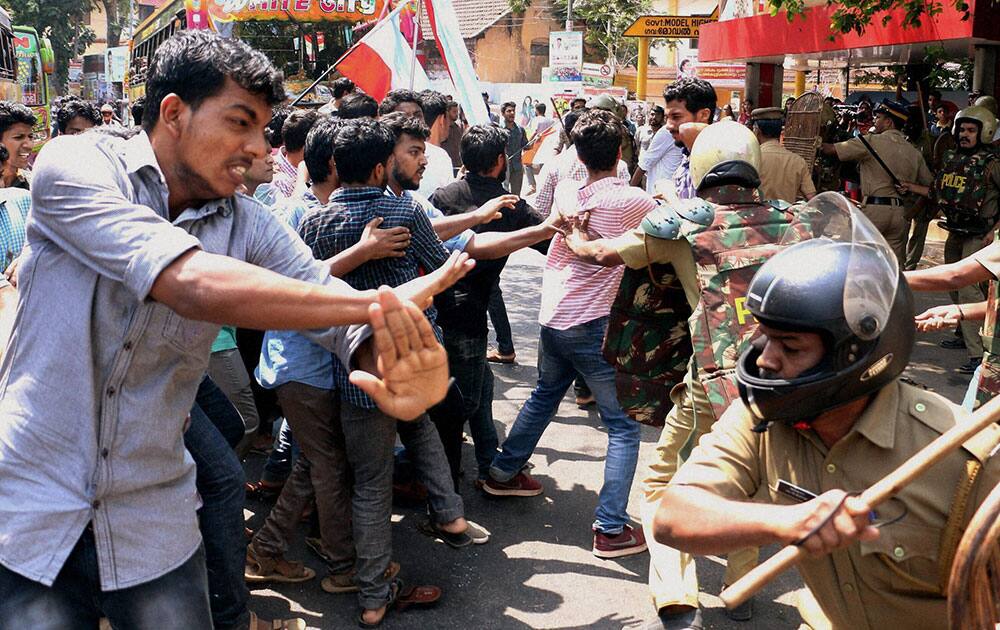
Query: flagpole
point(416, 33)
point(333, 65)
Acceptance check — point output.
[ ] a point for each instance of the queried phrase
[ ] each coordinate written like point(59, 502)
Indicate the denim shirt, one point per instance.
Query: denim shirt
point(98, 378)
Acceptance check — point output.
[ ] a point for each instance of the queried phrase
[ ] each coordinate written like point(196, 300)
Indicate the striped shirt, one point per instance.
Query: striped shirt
point(338, 225)
point(566, 166)
point(575, 292)
point(285, 174)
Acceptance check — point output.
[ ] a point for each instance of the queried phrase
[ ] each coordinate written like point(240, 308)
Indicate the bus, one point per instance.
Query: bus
point(35, 62)
point(301, 37)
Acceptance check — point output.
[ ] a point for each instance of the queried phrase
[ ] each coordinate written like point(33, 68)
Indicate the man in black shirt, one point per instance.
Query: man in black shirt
point(462, 311)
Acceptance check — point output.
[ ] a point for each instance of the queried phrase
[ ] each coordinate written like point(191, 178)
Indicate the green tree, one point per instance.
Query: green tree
point(856, 15)
point(62, 21)
point(605, 22)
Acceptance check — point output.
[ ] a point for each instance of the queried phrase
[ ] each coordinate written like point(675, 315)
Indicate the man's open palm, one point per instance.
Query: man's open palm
point(412, 364)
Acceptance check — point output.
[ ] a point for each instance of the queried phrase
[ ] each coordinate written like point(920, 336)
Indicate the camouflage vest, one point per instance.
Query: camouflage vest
point(727, 254)
point(647, 341)
point(989, 378)
point(959, 193)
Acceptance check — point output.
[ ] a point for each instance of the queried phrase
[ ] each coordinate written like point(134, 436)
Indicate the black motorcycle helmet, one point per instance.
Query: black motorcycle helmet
point(802, 289)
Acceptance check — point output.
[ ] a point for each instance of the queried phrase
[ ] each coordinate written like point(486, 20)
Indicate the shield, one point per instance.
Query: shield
point(803, 127)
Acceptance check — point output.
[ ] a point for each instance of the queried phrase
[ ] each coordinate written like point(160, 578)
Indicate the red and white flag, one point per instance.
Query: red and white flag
point(382, 60)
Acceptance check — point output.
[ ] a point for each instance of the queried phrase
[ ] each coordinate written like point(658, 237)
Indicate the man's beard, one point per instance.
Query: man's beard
point(406, 183)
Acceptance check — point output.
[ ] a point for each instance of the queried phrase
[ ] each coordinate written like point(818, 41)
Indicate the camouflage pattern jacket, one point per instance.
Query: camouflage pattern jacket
point(647, 341)
point(731, 236)
point(960, 192)
point(989, 378)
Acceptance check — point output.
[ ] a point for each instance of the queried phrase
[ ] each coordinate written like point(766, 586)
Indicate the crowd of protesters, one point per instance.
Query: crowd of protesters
point(224, 275)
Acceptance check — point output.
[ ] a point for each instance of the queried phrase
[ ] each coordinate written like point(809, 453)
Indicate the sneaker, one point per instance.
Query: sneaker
point(629, 542)
point(969, 367)
point(520, 485)
point(479, 534)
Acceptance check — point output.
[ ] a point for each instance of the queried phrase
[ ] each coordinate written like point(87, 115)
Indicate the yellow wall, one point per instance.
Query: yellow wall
point(503, 53)
point(98, 24)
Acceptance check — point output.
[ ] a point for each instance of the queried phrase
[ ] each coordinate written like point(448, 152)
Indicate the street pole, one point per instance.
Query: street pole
point(569, 15)
point(642, 67)
point(416, 31)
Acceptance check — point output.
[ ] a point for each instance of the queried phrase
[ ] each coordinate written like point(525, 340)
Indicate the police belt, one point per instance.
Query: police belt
point(882, 201)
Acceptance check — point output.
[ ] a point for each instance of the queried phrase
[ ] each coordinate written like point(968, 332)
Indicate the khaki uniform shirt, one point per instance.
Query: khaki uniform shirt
point(783, 175)
point(902, 158)
point(895, 579)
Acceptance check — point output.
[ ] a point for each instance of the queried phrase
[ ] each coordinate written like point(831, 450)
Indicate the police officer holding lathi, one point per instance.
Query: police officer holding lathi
point(713, 244)
point(885, 159)
point(823, 415)
point(967, 190)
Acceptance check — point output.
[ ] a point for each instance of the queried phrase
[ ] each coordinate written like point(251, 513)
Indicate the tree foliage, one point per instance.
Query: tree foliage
point(62, 21)
point(606, 21)
point(856, 15)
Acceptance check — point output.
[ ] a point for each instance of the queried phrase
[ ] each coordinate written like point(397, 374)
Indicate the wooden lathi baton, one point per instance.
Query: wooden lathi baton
point(882, 491)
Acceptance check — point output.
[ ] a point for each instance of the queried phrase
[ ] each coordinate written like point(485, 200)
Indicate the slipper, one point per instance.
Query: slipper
point(417, 596)
point(494, 356)
point(344, 582)
point(456, 541)
point(263, 490)
point(395, 588)
point(277, 624)
point(263, 569)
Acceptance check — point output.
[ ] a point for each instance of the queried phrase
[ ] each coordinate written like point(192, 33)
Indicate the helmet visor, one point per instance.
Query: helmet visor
point(872, 274)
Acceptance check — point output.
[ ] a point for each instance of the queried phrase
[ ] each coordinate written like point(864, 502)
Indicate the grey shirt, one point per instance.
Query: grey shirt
point(98, 378)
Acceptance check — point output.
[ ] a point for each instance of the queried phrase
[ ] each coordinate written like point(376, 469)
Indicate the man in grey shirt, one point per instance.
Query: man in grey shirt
point(136, 251)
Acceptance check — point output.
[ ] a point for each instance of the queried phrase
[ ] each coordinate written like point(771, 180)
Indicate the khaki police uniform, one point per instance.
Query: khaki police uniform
point(899, 578)
point(783, 175)
point(880, 201)
point(673, 579)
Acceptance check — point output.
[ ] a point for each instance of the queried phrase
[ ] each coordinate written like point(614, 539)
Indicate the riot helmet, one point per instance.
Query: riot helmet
point(725, 152)
point(981, 116)
point(843, 282)
point(988, 102)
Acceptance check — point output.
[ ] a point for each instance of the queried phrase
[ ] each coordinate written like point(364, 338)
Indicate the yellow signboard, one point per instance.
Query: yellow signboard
point(669, 26)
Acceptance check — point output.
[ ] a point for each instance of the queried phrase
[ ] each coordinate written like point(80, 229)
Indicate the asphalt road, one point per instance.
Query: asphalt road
point(538, 570)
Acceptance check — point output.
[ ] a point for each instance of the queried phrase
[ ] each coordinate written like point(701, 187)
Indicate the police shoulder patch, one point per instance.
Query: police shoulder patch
point(662, 222)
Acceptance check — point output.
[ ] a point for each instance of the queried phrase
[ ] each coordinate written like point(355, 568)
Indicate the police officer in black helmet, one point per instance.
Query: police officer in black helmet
point(823, 416)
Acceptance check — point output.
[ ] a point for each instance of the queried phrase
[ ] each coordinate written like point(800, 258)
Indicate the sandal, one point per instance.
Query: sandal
point(417, 596)
point(263, 490)
point(277, 624)
point(263, 569)
point(494, 356)
point(395, 588)
point(344, 582)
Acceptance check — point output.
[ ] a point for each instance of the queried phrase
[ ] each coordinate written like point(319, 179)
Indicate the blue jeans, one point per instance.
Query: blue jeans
point(501, 324)
point(220, 483)
point(177, 599)
point(561, 354)
point(467, 363)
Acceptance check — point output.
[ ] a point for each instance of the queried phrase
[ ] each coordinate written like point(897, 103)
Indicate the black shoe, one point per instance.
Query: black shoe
point(743, 612)
point(687, 620)
point(953, 344)
point(969, 367)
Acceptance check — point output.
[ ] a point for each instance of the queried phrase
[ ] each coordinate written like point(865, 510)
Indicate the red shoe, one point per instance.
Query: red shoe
point(520, 485)
point(628, 543)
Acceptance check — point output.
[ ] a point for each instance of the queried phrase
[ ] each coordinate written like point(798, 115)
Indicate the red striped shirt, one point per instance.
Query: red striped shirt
point(575, 292)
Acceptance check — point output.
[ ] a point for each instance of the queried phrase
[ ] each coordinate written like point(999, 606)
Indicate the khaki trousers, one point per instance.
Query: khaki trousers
point(956, 248)
point(673, 578)
point(891, 223)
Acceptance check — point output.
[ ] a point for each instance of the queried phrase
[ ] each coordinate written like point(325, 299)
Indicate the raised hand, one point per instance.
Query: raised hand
point(937, 318)
point(491, 210)
point(412, 366)
point(422, 290)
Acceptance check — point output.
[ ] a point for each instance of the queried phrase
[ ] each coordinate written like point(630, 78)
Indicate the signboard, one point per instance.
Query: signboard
point(565, 56)
point(669, 26)
point(115, 63)
point(283, 10)
point(598, 74)
point(723, 75)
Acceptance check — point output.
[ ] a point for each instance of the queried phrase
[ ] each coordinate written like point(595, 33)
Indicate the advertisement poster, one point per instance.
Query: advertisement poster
point(598, 75)
point(565, 56)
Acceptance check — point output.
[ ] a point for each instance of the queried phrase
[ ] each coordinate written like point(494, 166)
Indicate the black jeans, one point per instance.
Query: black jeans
point(220, 483)
point(178, 599)
point(501, 324)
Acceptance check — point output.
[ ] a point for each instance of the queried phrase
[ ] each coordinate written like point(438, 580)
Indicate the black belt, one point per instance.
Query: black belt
point(883, 201)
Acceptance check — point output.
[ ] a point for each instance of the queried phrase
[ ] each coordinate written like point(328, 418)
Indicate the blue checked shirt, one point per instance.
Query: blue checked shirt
point(332, 229)
point(16, 203)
